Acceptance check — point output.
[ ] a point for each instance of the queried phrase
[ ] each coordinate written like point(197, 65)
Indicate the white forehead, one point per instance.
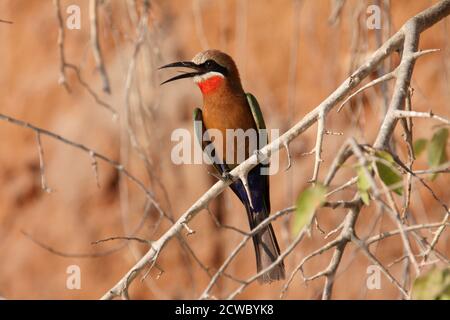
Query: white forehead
point(200, 58)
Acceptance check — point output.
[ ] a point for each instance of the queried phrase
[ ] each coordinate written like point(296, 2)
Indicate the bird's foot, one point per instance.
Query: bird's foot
point(257, 153)
point(260, 157)
point(226, 176)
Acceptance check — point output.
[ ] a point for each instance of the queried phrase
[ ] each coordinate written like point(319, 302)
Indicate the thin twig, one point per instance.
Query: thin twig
point(41, 164)
point(318, 147)
point(95, 44)
point(416, 114)
point(119, 167)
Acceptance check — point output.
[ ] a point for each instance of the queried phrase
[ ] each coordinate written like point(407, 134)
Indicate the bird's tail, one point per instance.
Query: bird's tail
point(266, 248)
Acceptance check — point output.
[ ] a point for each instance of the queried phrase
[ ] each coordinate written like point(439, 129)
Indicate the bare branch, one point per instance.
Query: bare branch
point(375, 261)
point(388, 234)
point(61, 35)
point(318, 147)
point(41, 164)
point(386, 77)
point(233, 254)
point(148, 242)
point(95, 44)
point(415, 114)
point(92, 153)
point(91, 92)
point(63, 64)
point(286, 146)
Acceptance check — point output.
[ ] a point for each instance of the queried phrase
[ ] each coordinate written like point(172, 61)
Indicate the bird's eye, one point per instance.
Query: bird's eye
point(209, 64)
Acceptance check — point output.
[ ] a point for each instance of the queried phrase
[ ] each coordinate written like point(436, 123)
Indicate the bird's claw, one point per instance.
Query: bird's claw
point(226, 176)
point(258, 155)
point(261, 157)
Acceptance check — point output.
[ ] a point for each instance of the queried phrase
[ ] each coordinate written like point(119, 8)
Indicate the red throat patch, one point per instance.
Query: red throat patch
point(210, 84)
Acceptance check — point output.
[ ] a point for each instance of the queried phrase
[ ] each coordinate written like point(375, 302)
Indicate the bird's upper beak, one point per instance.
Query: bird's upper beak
point(183, 64)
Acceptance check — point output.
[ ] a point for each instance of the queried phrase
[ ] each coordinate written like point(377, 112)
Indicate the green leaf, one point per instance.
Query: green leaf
point(388, 172)
point(363, 185)
point(385, 155)
point(364, 197)
point(435, 285)
point(437, 154)
point(363, 182)
point(308, 201)
point(419, 146)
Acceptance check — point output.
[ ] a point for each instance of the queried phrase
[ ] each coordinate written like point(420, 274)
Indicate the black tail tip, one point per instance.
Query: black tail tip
point(277, 273)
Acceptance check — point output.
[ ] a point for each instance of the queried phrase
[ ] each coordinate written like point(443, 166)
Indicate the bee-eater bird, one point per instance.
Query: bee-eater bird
point(227, 107)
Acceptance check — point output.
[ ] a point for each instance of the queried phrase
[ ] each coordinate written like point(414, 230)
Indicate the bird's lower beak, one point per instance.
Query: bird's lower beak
point(183, 64)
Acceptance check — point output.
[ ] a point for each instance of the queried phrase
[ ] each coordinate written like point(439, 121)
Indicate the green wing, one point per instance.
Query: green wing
point(257, 116)
point(205, 142)
point(256, 111)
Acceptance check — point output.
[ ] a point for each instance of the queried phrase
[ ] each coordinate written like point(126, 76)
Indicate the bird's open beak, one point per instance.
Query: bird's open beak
point(183, 64)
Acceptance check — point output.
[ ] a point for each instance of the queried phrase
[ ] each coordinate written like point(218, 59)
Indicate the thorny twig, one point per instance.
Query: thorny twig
point(63, 64)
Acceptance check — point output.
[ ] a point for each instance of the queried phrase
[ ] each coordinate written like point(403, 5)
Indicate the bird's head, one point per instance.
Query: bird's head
point(212, 70)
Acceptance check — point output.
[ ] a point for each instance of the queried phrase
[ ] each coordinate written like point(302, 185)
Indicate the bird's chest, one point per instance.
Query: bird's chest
point(232, 130)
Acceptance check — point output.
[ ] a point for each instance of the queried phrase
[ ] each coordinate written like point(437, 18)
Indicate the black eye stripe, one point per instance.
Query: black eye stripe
point(211, 65)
